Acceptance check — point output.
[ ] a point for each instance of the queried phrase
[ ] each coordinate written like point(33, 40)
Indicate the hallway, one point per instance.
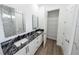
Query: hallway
point(50, 49)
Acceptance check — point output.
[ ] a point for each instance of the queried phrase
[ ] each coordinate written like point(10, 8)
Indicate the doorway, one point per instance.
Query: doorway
point(52, 24)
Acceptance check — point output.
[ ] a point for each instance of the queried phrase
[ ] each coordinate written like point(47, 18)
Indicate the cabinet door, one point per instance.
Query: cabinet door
point(23, 51)
point(39, 41)
point(34, 45)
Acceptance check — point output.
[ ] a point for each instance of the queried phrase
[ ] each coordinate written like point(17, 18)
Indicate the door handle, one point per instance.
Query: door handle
point(67, 40)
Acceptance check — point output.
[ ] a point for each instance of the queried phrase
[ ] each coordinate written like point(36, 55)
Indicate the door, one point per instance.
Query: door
point(52, 24)
point(68, 28)
point(75, 47)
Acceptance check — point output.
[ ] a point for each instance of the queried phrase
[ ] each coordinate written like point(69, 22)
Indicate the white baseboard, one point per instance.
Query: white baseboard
point(59, 44)
point(52, 38)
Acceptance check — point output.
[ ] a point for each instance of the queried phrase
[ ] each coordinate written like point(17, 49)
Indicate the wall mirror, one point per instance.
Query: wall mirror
point(35, 22)
point(13, 22)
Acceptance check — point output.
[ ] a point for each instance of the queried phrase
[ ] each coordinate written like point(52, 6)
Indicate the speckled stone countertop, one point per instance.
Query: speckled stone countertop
point(9, 48)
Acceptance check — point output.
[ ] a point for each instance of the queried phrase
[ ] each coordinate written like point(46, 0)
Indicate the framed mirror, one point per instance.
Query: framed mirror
point(19, 22)
point(13, 22)
point(35, 22)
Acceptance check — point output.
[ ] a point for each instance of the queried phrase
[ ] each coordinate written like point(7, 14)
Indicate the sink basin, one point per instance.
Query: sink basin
point(38, 32)
point(22, 41)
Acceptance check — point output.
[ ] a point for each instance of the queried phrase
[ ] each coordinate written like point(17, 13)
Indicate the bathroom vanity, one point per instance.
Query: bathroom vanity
point(26, 44)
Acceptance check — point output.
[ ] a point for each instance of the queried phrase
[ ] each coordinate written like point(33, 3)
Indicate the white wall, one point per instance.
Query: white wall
point(43, 19)
point(52, 24)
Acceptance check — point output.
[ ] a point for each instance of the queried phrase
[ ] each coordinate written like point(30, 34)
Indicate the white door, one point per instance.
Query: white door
point(52, 24)
point(75, 48)
point(68, 28)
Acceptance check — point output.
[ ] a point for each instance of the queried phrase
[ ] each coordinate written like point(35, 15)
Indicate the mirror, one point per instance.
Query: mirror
point(19, 23)
point(34, 22)
point(12, 21)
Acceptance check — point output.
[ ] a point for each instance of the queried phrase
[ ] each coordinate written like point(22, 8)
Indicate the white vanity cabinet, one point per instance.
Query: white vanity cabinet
point(32, 47)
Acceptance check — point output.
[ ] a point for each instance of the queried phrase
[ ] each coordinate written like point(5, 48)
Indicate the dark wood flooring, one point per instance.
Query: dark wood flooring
point(50, 49)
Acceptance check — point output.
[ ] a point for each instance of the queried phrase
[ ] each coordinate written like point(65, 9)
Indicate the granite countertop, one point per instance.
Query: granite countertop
point(9, 48)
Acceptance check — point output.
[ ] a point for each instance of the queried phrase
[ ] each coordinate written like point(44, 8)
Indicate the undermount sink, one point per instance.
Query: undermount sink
point(39, 32)
point(22, 41)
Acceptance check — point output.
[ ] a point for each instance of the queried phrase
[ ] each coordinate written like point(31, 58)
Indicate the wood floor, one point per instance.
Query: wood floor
point(50, 49)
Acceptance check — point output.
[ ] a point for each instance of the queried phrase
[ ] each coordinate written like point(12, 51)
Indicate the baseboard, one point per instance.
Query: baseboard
point(51, 38)
point(59, 44)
